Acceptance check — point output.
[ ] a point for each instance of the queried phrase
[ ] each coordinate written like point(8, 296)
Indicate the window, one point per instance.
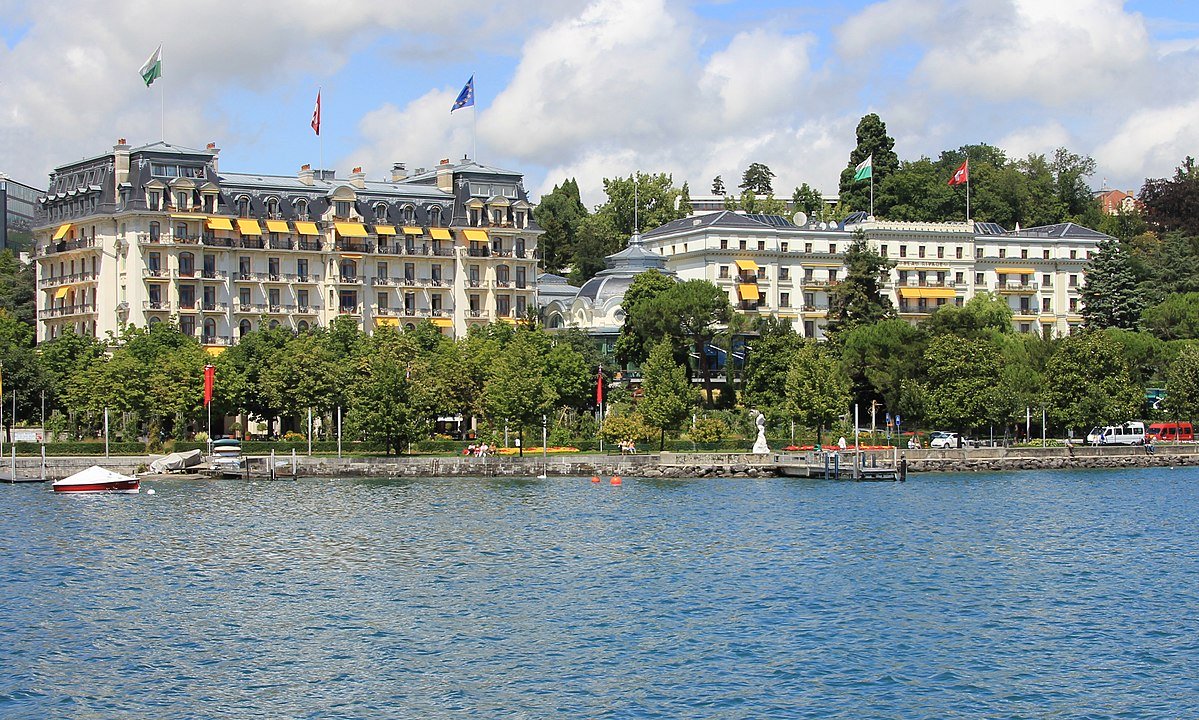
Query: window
point(302, 299)
point(809, 328)
point(187, 264)
point(435, 217)
point(832, 248)
point(272, 268)
point(783, 247)
point(1046, 254)
point(520, 306)
point(784, 299)
point(348, 300)
point(243, 268)
point(272, 208)
point(154, 200)
point(807, 247)
point(381, 270)
point(381, 301)
point(181, 231)
point(155, 232)
point(349, 271)
point(808, 274)
point(210, 266)
point(940, 251)
point(978, 278)
point(1073, 304)
point(958, 277)
point(187, 325)
point(882, 250)
point(243, 206)
point(903, 251)
point(497, 217)
point(436, 274)
point(341, 208)
point(761, 244)
point(1046, 305)
point(1002, 252)
point(1025, 328)
point(958, 253)
point(301, 209)
point(832, 276)
point(503, 306)
point(1047, 280)
point(153, 262)
point(475, 216)
point(302, 326)
point(209, 330)
point(1073, 281)
point(784, 273)
point(302, 270)
point(243, 298)
point(181, 201)
point(187, 297)
point(155, 297)
point(724, 271)
point(409, 272)
point(520, 247)
point(380, 212)
point(409, 214)
point(920, 251)
point(520, 278)
point(742, 244)
point(209, 298)
point(243, 328)
point(272, 299)
point(1073, 254)
point(1023, 253)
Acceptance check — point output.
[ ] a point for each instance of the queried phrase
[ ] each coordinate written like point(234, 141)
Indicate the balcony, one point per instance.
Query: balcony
point(213, 274)
point(820, 283)
point(479, 252)
point(473, 313)
point(748, 279)
point(281, 244)
point(933, 283)
point(383, 281)
point(474, 283)
point(220, 340)
point(279, 309)
point(49, 282)
point(244, 276)
point(750, 306)
point(214, 307)
point(305, 310)
point(503, 283)
point(255, 308)
point(349, 309)
point(309, 245)
point(915, 309)
point(65, 310)
point(188, 305)
point(352, 246)
point(252, 243)
point(307, 279)
point(225, 242)
point(814, 307)
point(1016, 288)
point(442, 251)
point(155, 306)
point(69, 245)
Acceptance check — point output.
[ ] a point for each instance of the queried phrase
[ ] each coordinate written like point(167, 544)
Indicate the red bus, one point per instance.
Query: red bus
point(1171, 432)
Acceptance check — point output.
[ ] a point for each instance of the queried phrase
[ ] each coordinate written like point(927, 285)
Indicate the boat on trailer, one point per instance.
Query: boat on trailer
point(96, 479)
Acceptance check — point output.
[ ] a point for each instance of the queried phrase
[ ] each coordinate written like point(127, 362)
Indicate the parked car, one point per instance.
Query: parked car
point(1130, 433)
point(942, 439)
point(1171, 432)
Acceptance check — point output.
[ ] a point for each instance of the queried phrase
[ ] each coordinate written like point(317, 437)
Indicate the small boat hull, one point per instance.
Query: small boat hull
point(121, 486)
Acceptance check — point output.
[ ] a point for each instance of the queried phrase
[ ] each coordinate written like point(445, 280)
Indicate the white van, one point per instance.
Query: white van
point(1130, 433)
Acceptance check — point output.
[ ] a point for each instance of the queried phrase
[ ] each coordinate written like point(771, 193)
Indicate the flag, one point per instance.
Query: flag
point(316, 114)
point(152, 70)
point(209, 379)
point(466, 98)
point(599, 387)
point(962, 174)
point(865, 169)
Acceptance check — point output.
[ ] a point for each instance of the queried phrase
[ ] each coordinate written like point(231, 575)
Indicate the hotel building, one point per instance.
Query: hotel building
point(772, 266)
point(157, 233)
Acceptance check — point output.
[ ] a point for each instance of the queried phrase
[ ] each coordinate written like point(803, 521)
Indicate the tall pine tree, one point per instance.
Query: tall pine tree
point(859, 299)
point(1110, 296)
point(873, 141)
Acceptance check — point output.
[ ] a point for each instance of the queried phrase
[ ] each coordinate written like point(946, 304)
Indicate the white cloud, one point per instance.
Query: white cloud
point(1041, 139)
point(1151, 142)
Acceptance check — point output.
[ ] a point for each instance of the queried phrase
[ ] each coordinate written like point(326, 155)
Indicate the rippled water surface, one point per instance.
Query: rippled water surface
point(1023, 595)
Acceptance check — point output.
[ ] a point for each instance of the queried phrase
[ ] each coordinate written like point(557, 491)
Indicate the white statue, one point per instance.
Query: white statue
point(760, 446)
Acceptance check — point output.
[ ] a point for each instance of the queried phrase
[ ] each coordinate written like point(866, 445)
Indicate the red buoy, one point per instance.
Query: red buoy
point(594, 479)
point(615, 480)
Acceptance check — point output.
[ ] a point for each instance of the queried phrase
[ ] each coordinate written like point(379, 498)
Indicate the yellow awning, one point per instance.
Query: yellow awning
point(189, 216)
point(475, 235)
point(61, 232)
point(387, 322)
point(277, 226)
point(353, 230)
point(385, 230)
point(412, 230)
point(61, 293)
point(440, 234)
point(909, 292)
point(917, 268)
point(354, 256)
point(307, 228)
point(1015, 271)
point(748, 265)
point(214, 349)
point(939, 293)
point(509, 320)
point(248, 226)
point(219, 224)
point(442, 322)
point(748, 291)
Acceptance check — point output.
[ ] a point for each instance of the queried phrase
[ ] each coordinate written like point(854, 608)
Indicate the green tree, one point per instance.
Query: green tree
point(1074, 193)
point(639, 331)
point(859, 298)
point(717, 186)
point(685, 208)
point(1175, 318)
point(517, 388)
point(1172, 204)
point(808, 199)
point(18, 287)
point(872, 140)
point(560, 213)
point(569, 373)
point(596, 239)
point(963, 391)
point(393, 400)
point(691, 311)
point(817, 388)
point(1111, 297)
point(667, 397)
point(1182, 384)
point(881, 359)
point(767, 363)
point(1088, 382)
point(984, 314)
point(655, 202)
point(757, 179)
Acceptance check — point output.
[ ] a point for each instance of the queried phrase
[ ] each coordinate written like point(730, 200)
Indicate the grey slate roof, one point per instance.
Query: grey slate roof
point(1066, 230)
point(724, 218)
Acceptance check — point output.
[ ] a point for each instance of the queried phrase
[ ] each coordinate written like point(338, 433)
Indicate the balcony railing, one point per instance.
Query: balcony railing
point(155, 305)
point(76, 309)
point(932, 283)
point(352, 246)
point(309, 245)
point(69, 278)
point(1017, 287)
point(67, 245)
point(219, 241)
point(214, 307)
point(213, 274)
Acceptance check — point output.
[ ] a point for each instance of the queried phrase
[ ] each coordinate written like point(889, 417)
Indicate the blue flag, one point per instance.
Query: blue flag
point(466, 98)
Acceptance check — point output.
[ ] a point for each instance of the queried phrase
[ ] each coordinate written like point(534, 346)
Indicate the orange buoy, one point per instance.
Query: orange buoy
point(615, 480)
point(594, 479)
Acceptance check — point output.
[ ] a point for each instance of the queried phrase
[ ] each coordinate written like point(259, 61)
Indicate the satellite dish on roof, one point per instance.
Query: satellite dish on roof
point(800, 218)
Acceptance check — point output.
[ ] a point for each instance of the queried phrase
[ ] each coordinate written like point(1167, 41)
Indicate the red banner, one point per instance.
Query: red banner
point(209, 379)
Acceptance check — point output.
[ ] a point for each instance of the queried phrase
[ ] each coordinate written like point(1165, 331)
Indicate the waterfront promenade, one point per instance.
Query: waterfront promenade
point(676, 465)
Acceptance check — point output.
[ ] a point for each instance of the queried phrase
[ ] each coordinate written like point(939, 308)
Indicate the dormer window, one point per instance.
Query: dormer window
point(435, 217)
point(520, 219)
point(154, 200)
point(243, 206)
point(272, 208)
point(302, 209)
point(182, 201)
point(409, 214)
point(475, 216)
point(341, 208)
point(497, 217)
point(381, 212)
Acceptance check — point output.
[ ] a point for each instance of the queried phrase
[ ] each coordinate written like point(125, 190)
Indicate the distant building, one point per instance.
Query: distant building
point(157, 233)
point(1115, 201)
point(771, 266)
point(18, 208)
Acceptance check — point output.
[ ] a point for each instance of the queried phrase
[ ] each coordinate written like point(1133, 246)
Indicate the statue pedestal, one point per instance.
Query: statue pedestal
point(760, 446)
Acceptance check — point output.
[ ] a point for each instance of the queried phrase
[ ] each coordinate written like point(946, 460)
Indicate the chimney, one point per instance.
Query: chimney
point(398, 172)
point(120, 162)
point(358, 178)
point(212, 148)
point(445, 176)
point(306, 175)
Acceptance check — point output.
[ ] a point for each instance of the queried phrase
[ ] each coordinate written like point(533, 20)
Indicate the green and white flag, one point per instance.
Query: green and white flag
point(152, 70)
point(864, 169)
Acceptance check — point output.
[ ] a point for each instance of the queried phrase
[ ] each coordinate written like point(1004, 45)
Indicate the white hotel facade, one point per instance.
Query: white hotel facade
point(771, 266)
point(157, 234)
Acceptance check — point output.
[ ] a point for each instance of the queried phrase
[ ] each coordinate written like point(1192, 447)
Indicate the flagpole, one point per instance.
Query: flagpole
point(162, 99)
point(967, 189)
point(320, 139)
point(872, 192)
point(474, 131)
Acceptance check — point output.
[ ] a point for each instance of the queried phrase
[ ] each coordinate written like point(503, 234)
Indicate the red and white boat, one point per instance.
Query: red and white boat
point(97, 480)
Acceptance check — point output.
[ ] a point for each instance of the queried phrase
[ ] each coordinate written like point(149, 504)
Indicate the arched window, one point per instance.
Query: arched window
point(155, 320)
point(187, 264)
point(302, 209)
point(381, 212)
point(409, 214)
point(303, 326)
point(435, 217)
point(409, 327)
point(243, 206)
point(180, 231)
point(209, 330)
point(349, 270)
point(243, 328)
point(274, 324)
point(272, 208)
point(155, 232)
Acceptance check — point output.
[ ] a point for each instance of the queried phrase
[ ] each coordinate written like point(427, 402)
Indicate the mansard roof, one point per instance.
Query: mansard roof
point(1065, 231)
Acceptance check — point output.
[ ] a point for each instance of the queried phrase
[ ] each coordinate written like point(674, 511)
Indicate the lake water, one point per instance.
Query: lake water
point(1018, 595)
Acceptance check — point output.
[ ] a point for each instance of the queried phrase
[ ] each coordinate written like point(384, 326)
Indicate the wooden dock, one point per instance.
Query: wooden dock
point(862, 466)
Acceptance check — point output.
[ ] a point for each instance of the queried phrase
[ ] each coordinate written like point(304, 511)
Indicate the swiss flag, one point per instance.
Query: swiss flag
point(961, 175)
point(316, 114)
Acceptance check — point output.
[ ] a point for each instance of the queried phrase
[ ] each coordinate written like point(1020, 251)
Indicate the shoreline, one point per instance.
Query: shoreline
point(667, 464)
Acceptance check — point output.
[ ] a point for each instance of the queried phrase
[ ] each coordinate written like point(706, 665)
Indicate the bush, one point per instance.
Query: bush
point(708, 430)
point(291, 436)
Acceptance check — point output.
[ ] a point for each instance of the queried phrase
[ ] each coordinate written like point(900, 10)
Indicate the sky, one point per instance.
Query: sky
point(602, 88)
